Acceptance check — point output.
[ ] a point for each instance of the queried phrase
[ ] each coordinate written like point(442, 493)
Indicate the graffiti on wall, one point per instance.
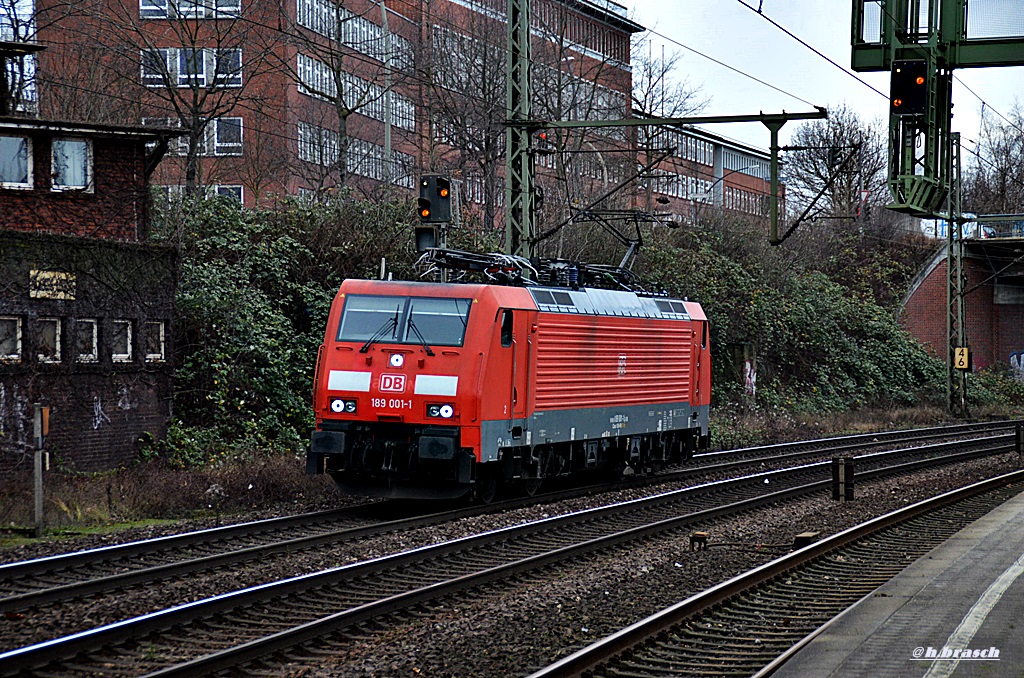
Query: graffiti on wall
point(15, 419)
point(1017, 365)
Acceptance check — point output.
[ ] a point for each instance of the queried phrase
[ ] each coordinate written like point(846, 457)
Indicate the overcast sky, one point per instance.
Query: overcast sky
point(729, 32)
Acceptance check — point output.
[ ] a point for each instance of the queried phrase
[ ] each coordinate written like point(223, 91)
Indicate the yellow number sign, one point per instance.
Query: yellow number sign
point(962, 358)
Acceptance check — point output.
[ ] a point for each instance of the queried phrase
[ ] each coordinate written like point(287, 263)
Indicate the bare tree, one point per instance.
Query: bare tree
point(20, 22)
point(465, 69)
point(841, 148)
point(185, 64)
point(354, 65)
point(659, 92)
point(465, 62)
point(994, 180)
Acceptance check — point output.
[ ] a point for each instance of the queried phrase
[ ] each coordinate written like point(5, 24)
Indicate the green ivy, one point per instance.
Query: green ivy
point(820, 345)
point(254, 291)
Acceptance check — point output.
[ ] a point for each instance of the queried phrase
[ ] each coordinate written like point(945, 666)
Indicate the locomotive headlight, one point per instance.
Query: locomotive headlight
point(340, 406)
point(397, 360)
point(441, 411)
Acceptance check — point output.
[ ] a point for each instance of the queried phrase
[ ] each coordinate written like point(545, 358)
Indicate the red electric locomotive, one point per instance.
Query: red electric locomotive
point(439, 390)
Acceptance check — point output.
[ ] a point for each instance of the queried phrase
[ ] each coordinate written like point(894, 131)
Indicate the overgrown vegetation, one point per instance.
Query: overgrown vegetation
point(255, 287)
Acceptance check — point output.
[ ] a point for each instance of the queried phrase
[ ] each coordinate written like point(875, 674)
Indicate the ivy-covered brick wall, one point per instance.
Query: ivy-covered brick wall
point(85, 327)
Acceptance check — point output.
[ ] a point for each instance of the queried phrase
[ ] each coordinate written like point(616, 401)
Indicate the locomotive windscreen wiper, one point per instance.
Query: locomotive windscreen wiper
point(389, 325)
point(426, 346)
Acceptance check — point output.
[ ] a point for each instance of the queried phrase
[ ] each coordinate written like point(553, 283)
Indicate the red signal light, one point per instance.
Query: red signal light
point(443, 192)
point(919, 80)
point(424, 213)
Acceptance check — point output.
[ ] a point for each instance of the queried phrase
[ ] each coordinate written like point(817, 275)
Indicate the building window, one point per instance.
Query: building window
point(328, 18)
point(233, 192)
point(319, 80)
point(10, 339)
point(153, 9)
point(86, 336)
point(121, 341)
point(156, 67)
point(153, 336)
point(227, 67)
point(189, 9)
point(15, 162)
point(189, 67)
point(72, 165)
point(48, 340)
point(226, 135)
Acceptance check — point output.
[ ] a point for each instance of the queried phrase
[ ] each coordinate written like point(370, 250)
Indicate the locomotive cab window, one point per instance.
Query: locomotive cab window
point(365, 316)
point(404, 320)
point(506, 328)
point(439, 321)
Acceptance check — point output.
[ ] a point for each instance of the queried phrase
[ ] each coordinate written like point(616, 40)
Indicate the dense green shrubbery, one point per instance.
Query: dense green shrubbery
point(997, 386)
point(253, 295)
point(819, 347)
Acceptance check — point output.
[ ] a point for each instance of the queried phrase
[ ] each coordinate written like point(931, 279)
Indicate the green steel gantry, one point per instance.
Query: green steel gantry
point(924, 154)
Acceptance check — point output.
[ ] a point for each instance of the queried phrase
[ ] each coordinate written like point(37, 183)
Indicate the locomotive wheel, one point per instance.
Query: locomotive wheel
point(487, 487)
point(530, 486)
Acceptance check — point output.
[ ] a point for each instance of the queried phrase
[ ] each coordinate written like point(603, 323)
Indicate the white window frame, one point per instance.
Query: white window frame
point(226, 8)
point(28, 183)
point(122, 357)
point(162, 355)
point(91, 327)
point(153, 9)
point(226, 78)
point(205, 76)
point(233, 191)
point(218, 147)
point(14, 357)
point(55, 358)
point(87, 187)
point(189, 9)
point(185, 79)
point(168, 57)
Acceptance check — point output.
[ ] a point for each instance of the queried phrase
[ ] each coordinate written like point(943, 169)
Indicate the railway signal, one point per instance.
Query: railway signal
point(908, 92)
point(434, 206)
point(543, 145)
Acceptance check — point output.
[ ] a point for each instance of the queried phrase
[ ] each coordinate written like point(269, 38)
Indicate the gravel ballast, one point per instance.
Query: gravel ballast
point(525, 624)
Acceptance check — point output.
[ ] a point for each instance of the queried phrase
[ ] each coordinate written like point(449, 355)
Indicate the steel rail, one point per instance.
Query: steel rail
point(261, 529)
point(235, 656)
point(34, 656)
point(631, 637)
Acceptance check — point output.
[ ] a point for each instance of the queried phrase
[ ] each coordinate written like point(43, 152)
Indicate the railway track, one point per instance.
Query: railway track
point(273, 617)
point(66, 577)
point(750, 624)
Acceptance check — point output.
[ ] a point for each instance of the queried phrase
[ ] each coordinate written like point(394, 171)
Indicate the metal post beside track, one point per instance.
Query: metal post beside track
point(842, 478)
point(40, 428)
point(1019, 438)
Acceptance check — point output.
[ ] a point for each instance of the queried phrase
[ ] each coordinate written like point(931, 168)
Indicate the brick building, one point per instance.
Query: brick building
point(298, 98)
point(85, 306)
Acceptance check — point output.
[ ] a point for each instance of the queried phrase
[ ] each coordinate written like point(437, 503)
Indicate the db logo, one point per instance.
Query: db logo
point(393, 383)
